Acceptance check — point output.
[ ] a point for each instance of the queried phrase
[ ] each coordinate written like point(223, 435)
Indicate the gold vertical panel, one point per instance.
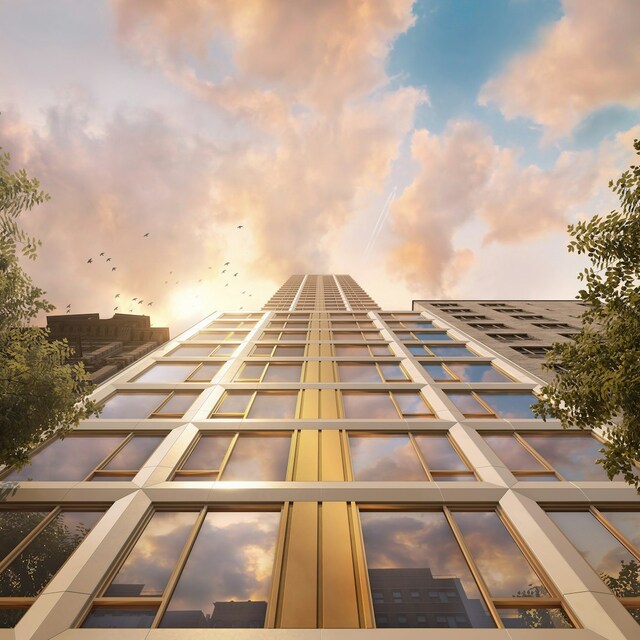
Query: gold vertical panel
point(362, 579)
point(312, 371)
point(332, 467)
point(314, 335)
point(326, 350)
point(306, 467)
point(327, 371)
point(298, 606)
point(310, 404)
point(313, 349)
point(325, 335)
point(339, 601)
point(329, 404)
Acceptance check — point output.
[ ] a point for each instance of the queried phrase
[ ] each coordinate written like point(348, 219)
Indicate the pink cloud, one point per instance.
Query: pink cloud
point(588, 59)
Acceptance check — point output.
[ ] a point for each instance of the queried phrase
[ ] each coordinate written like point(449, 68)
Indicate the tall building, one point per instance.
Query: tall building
point(520, 330)
point(106, 345)
point(319, 464)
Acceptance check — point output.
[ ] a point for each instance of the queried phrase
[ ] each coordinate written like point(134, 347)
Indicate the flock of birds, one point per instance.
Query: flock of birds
point(138, 300)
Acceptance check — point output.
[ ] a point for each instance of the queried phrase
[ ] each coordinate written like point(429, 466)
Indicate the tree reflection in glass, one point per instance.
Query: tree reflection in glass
point(415, 567)
point(227, 578)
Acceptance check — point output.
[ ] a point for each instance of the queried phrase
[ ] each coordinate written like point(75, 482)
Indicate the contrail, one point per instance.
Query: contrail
point(382, 218)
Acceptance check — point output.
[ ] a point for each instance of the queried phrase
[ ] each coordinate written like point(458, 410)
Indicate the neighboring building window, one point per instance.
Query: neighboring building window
point(180, 372)
point(553, 325)
point(385, 405)
point(421, 551)
point(464, 372)
point(550, 456)
point(401, 456)
point(269, 372)
point(509, 337)
point(257, 404)
point(214, 586)
point(148, 404)
point(488, 325)
point(610, 542)
point(28, 563)
point(88, 457)
point(492, 404)
point(533, 351)
point(203, 350)
point(241, 456)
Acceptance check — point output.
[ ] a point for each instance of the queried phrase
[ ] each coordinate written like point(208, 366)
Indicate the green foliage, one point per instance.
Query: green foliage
point(598, 374)
point(40, 394)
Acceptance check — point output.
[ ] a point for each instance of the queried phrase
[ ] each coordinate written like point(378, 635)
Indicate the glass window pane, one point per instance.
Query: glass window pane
point(283, 373)
point(551, 618)
point(226, 349)
point(289, 352)
point(431, 336)
point(134, 454)
point(503, 566)
point(274, 405)
point(9, 618)
point(509, 405)
point(411, 403)
point(351, 350)
point(15, 526)
point(262, 350)
point(192, 350)
point(573, 456)
point(262, 458)
point(179, 403)
point(418, 552)
point(466, 403)
point(437, 371)
point(226, 581)
point(294, 337)
point(453, 351)
point(627, 523)
point(513, 454)
point(393, 372)
point(439, 453)
point(368, 405)
point(380, 350)
point(30, 572)
point(384, 457)
point(148, 567)
point(234, 402)
point(251, 371)
point(132, 405)
point(601, 549)
point(109, 618)
point(208, 453)
point(416, 349)
point(206, 372)
point(167, 372)
point(358, 372)
point(477, 372)
point(70, 459)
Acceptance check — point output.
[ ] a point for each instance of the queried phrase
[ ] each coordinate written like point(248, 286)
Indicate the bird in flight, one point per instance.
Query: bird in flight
point(224, 271)
point(108, 259)
point(239, 226)
point(90, 260)
point(226, 285)
point(149, 303)
point(113, 268)
point(68, 310)
point(102, 253)
point(235, 274)
point(115, 308)
point(146, 235)
point(134, 298)
point(140, 301)
point(226, 264)
point(117, 295)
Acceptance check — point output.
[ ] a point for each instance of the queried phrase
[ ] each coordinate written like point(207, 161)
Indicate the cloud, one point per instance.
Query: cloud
point(588, 59)
point(464, 178)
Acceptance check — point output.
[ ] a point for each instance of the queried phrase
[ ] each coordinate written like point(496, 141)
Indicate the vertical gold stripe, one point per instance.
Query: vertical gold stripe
point(329, 404)
point(310, 404)
point(332, 469)
point(339, 598)
point(306, 468)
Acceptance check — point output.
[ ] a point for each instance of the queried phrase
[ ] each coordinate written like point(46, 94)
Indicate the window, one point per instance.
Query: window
point(299, 325)
point(385, 405)
point(232, 324)
point(553, 325)
point(284, 336)
point(533, 351)
point(464, 372)
point(401, 456)
point(88, 457)
point(408, 324)
point(355, 336)
point(352, 324)
point(528, 317)
point(269, 372)
point(199, 572)
point(180, 372)
point(351, 350)
point(449, 351)
point(371, 372)
point(220, 336)
point(33, 547)
point(488, 325)
point(421, 551)
point(508, 337)
point(424, 336)
point(278, 351)
point(203, 350)
point(550, 456)
point(148, 404)
point(256, 404)
point(242, 456)
point(610, 542)
point(492, 404)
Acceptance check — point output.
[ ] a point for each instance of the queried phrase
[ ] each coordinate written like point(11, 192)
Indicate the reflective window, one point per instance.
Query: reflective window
point(517, 457)
point(384, 457)
point(270, 372)
point(392, 372)
point(206, 372)
point(437, 371)
point(272, 405)
point(417, 551)
point(134, 454)
point(351, 350)
point(203, 350)
point(148, 404)
point(289, 351)
point(627, 523)
point(167, 372)
point(476, 372)
point(226, 581)
point(15, 526)
point(207, 456)
point(34, 567)
point(411, 404)
point(258, 458)
point(233, 403)
point(362, 372)
point(362, 404)
point(442, 459)
point(492, 404)
point(450, 351)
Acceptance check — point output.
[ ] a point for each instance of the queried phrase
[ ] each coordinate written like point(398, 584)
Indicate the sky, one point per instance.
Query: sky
point(429, 148)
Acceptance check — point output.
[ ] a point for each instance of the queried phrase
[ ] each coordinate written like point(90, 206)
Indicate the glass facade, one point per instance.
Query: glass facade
point(319, 464)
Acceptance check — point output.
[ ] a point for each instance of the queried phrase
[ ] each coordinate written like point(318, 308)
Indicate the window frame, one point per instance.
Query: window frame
point(213, 415)
point(156, 413)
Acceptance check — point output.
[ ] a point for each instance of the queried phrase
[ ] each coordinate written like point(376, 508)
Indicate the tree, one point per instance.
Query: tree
point(41, 395)
point(598, 373)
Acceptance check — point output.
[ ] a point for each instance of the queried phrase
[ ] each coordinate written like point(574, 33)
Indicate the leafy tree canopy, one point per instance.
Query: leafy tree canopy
point(598, 374)
point(41, 395)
